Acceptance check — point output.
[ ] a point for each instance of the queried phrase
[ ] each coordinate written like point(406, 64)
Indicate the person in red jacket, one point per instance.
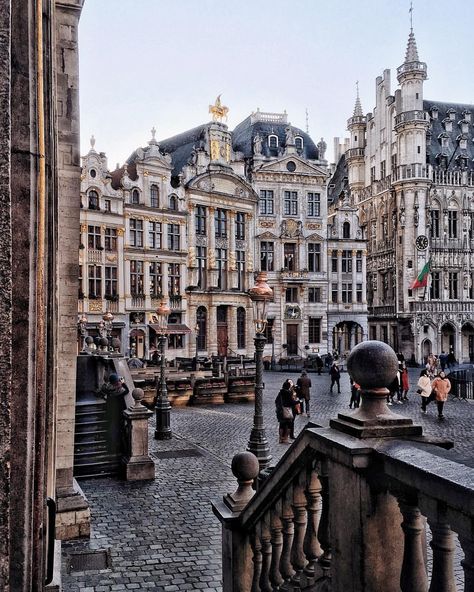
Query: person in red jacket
point(441, 386)
point(405, 386)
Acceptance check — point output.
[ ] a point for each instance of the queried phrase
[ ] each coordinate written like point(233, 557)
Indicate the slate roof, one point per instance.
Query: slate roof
point(244, 134)
point(338, 180)
point(433, 145)
point(180, 147)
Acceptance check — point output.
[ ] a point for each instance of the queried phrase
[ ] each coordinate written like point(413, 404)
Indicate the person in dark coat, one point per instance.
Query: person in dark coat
point(284, 403)
point(355, 395)
point(114, 392)
point(319, 364)
point(335, 375)
point(303, 385)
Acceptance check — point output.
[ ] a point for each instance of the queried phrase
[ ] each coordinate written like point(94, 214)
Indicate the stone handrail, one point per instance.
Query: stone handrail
point(346, 508)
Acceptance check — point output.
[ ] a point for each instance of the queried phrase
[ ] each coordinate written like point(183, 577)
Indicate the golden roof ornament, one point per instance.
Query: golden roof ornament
point(218, 110)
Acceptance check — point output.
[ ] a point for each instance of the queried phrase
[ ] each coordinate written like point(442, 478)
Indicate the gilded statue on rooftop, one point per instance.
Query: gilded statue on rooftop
point(218, 110)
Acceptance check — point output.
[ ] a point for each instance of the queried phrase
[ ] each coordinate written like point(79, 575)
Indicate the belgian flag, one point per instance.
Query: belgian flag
point(422, 279)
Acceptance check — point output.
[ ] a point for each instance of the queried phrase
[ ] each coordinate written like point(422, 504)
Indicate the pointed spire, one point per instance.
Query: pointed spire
point(358, 107)
point(412, 51)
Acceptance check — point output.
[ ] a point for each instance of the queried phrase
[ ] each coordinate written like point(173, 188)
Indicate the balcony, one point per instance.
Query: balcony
point(411, 67)
point(293, 276)
point(176, 302)
point(411, 116)
point(355, 153)
point(95, 256)
point(137, 301)
point(410, 172)
point(441, 306)
point(300, 531)
point(385, 310)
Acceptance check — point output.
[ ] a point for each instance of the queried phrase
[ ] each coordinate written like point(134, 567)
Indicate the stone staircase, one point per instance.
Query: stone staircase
point(91, 458)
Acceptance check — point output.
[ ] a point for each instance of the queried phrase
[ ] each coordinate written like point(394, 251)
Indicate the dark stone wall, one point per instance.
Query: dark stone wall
point(5, 291)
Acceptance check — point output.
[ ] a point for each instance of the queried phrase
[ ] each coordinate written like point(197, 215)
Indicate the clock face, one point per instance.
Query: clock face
point(421, 242)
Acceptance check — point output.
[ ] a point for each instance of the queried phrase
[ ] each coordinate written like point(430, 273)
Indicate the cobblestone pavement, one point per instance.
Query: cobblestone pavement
point(162, 535)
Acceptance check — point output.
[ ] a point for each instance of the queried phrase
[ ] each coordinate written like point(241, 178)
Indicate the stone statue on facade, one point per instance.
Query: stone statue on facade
point(322, 146)
point(257, 144)
point(289, 136)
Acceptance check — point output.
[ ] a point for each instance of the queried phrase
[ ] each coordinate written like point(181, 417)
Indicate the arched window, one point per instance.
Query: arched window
point(135, 196)
point(93, 200)
point(241, 328)
point(201, 322)
point(173, 205)
point(346, 230)
point(273, 141)
point(154, 196)
point(299, 143)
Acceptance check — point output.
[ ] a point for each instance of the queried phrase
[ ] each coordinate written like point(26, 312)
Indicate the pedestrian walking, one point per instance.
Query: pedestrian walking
point(303, 385)
point(319, 364)
point(394, 389)
point(424, 389)
point(335, 375)
point(355, 395)
point(405, 383)
point(114, 392)
point(284, 403)
point(441, 386)
point(451, 359)
point(432, 366)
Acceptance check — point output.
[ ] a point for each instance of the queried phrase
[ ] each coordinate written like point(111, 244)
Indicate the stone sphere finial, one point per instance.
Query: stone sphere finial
point(116, 343)
point(89, 340)
point(138, 395)
point(245, 467)
point(103, 342)
point(372, 364)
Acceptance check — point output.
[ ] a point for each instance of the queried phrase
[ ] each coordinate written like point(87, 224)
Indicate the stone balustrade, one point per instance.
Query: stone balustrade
point(352, 506)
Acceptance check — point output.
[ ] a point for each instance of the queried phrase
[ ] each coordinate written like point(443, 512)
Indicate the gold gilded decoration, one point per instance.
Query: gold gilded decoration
point(83, 227)
point(218, 110)
point(214, 150)
point(227, 152)
point(313, 225)
point(267, 223)
point(120, 231)
point(95, 305)
point(145, 173)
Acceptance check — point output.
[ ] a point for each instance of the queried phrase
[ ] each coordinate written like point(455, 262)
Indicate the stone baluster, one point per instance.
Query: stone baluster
point(265, 541)
point(276, 538)
point(288, 531)
point(298, 560)
point(324, 534)
point(311, 545)
point(468, 563)
point(257, 561)
point(442, 543)
point(413, 577)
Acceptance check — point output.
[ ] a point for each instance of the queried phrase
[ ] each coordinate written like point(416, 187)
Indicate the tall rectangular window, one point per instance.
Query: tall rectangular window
point(266, 202)
point(314, 294)
point(110, 241)
point(174, 279)
point(221, 261)
point(173, 237)
point(266, 256)
point(372, 174)
point(154, 196)
point(359, 261)
point(156, 279)
point(289, 256)
point(291, 294)
point(383, 169)
point(136, 232)
point(314, 257)
point(200, 219)
point(334, 295)
point(269, 330)
point(452, 224)
point(435, 287)
point(434, 227)
point(136, 278)
point(346, 261)
point(453, 285)
point(290, 203)
point(359, 293)
point(111, 282)
point(93, 237)
point(346, 292)
point(201, 258)
point(471, 285)
point(240, 263)
point(95, 281)
point(81, 293)
point(334, 261)
point(240, 226)
point(314, 330)
point(220, 223)
point(155, 236)
point(314, 204)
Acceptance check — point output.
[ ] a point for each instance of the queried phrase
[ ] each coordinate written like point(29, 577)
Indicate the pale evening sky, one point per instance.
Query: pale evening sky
point(146, 63)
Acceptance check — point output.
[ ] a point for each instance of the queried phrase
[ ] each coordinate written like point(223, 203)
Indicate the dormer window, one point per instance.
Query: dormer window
point(135, 199)
point(462, 142)
point(451, 113)
point(273, 141)
point(154, 196)
point(434, 112)
point(461, 161)
point(464, 124)
point(442, 160)
point(93, 200)
point(346, 230)
point(299, 143)
point(444, 140)
point(467, 116)
point(448, 124)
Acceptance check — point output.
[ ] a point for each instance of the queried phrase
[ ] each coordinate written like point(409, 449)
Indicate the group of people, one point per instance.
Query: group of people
point(292, 400)
point(433, 389)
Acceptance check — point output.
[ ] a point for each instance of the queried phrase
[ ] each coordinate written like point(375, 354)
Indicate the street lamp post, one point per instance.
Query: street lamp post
point(272, 365)
point(196, 330)
point(260, 295)
point(163, 407)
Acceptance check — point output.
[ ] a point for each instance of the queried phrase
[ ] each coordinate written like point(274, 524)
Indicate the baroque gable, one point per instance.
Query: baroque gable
point(224, 184)
point(303, 167)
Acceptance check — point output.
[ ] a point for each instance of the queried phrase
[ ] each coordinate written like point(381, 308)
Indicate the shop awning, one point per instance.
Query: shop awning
point(174, 329)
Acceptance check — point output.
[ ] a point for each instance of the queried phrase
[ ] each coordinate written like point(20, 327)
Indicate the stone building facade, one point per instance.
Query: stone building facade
point(410, 174)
